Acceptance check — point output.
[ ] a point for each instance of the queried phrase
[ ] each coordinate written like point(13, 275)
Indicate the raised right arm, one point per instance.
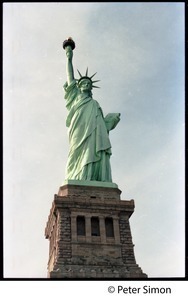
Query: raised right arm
point(69, 65)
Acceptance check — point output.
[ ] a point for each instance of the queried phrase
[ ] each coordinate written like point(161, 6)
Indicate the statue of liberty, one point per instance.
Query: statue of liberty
point(89, 144)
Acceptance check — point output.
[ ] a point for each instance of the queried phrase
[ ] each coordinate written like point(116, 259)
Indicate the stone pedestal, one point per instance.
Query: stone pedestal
point(89, 233)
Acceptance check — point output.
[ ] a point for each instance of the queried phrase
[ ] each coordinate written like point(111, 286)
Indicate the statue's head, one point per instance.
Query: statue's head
point(85, 83)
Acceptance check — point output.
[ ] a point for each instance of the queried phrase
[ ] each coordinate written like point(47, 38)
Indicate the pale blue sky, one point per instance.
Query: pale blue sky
point(137, 50)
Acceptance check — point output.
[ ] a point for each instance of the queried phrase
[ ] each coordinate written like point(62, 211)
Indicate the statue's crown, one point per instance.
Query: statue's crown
point(87, 77)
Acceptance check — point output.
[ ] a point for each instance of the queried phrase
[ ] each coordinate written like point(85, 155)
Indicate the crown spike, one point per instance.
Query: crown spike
point(93, 75)
point(95, 81)
point(87, 71)
point(94, 86)
point(79, 73)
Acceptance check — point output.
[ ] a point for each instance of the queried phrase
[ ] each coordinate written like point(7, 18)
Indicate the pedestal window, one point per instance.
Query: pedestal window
point(109, 227)
point(81, 229)
point(95, 230)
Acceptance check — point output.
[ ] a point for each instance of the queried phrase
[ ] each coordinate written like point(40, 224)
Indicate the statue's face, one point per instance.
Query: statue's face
point(85, 85)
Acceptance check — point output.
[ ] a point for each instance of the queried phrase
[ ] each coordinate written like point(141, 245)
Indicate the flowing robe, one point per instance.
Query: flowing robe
point(89, 144)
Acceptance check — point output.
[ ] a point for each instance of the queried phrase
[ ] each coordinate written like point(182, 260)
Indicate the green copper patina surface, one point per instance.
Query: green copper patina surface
point(90, 147)
point(91, 183)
